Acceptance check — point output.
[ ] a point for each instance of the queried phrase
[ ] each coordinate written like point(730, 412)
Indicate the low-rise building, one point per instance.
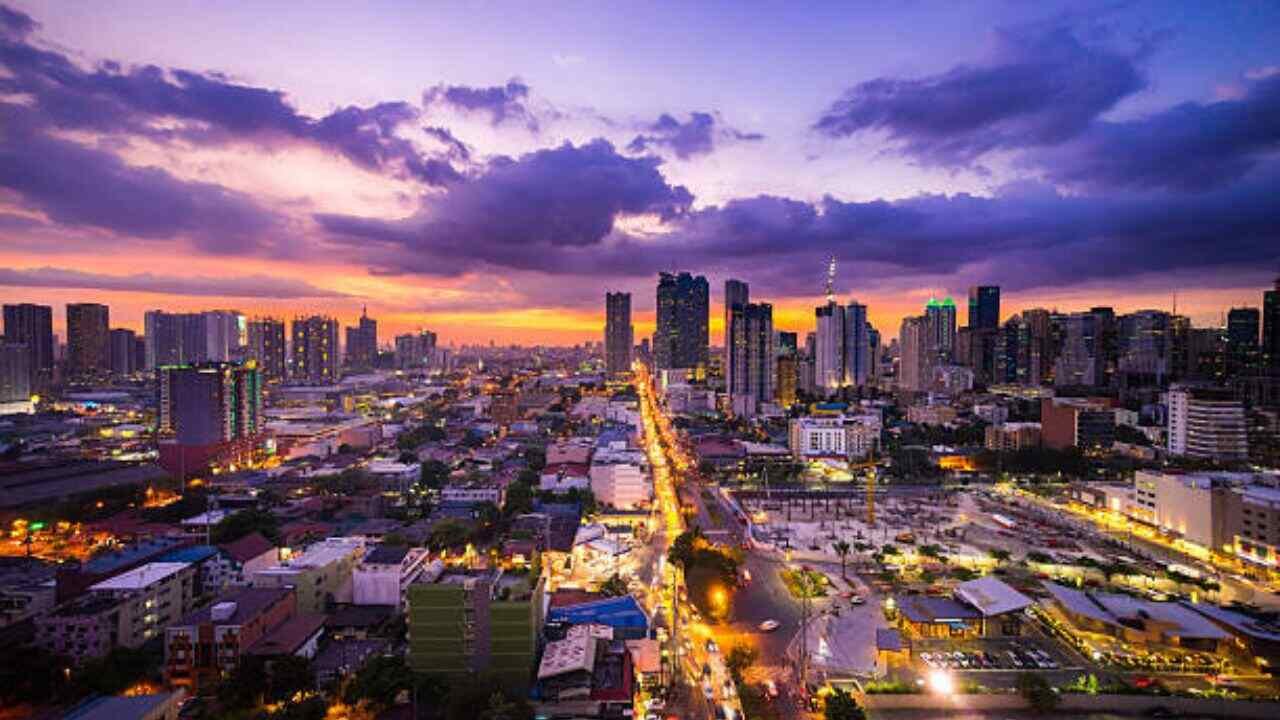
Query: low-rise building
point(1077, 422)
point(320, 575)
point(474, 492)
point(1013, 436)
point(385, 573)
point(841, 436)
point(620, 477)
point(208, 643)
point(935, 414)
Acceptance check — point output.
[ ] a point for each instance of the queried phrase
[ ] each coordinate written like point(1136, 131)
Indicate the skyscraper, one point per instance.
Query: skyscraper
point(828, 349)
point(362, 342)
point(681, 339)
point(857, 345)
point(1243, 325)
point(914, 363)
point(415, 351)
point(755, 378)
point(619, 335)
point(267, 348)
point(1088, 349)
point(315, 350)
point(32, 326)
point(207, 413)
point(88, 329)
point(15, 372)
point(163, 332)
point(1271, 328)
point(123, 347)
point(984, 307)
point(736, 295)
point(941, 318)
point(1143, 344)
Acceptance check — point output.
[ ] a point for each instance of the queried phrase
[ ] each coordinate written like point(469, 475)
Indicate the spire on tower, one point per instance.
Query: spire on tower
point(831, 280)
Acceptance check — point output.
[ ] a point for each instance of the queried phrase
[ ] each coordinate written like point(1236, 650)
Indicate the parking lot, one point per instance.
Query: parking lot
point(1013, 654)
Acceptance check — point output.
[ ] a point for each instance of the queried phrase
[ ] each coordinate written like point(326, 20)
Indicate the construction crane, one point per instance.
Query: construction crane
point(831, 280)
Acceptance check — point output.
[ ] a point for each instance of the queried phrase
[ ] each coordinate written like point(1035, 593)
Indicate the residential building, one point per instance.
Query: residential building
point(752, 381)
point(240, 559)
point(681, 338)
point(787, 380)
point(1077, 422)
point(416, 351)
point(940, 329)
point(1243, 351)
point(314, 351)
point(320, 575)
point(844, 437)
point(206, 645)
point(1271, 328)
point(208, 413)
point(384, 574)
point(362, 343)
point(916, 363)
point(1206, 422)
point(619, 335)
point(935, 414)
point(15, 372)
point(88, 332)
point(474, 492)
point(1008, 437)
point(620, 477)
point(266, 347)
point(458, 626)
point(122, 347)
point(32, 326)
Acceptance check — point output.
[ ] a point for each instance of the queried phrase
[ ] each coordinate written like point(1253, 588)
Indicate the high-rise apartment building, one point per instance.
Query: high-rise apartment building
point(15, 372)
point(1206, 422)
point(123, 351)
point(1144, 347)
point(751, 335)
point(619, 337)
point(736, 295)
point(32, 326)
point(163, 333)
point(857, 345)
point(415, 351)
point(88, 333)
point(362, 342)
point(940, 315)
point(1088, 350)
point(207, 413)
point(314, 350)
point(681, 339)
point(266, 347)
point(984, 307)
point(915, 364)
point(828, 348)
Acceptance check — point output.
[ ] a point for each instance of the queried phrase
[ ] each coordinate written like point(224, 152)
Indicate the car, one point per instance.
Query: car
point(770, 689)
point(727, 688)
point(857, 600)
point(706, 671)
point(656, 704)
point(708, 691)
point(769, 625)
point(712, 648)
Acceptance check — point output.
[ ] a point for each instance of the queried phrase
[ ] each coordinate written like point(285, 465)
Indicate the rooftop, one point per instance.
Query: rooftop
point(118, 707)
point(992, 596)
point(925, 609)
point(289, 636)
point(386, 555)
point(250, 602)
point(141, 577)
point(248, 547)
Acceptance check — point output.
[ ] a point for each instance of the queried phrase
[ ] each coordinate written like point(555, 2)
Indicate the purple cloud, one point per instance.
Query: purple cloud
point(80, 186)
point(1192, 146)
point(456, 149)
point(697, 136)
point(499, 102)
point(15, 22)
point(534, 212)
point(110, 98)
point(1038, 89)
point(248, 286)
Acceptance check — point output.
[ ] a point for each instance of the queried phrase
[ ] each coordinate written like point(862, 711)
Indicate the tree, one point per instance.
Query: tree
point(290, 675)
point(1037, 691)
point(615, 586)
point(841, 706)
point(474, 697)
point(519, 499)
point(448, 534)
point(434, 473)
point(535, 458)
point(238, 524)
point(380, 681)
point(999, 555)
point(842, 549)
point(740, 658)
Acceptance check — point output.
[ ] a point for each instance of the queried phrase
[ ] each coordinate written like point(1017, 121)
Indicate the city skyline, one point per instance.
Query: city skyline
point(225, 179)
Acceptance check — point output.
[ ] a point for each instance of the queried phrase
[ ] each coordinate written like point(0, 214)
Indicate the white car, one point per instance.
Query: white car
point(769, 625)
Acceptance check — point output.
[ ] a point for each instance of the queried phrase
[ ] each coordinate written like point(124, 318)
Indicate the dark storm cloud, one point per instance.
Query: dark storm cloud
point(500, 102)
point(457, 149)
point(77, 185)
point(1040, 88)
point(538, 212)
point(1192, 146)
point(697, 136)
point(247, 286)
point(110, 98)
point(553, 212)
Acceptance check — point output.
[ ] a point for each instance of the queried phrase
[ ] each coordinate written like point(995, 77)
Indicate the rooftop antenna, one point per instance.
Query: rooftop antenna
point(831, 280)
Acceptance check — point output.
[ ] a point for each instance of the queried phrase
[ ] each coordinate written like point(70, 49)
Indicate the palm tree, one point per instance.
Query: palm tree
point(842, 549)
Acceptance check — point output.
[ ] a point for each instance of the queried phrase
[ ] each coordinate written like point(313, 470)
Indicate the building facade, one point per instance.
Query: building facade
point(88, 340)
point(314, 351)
point(681, 339)
point(619, 335)
point(1206, 422)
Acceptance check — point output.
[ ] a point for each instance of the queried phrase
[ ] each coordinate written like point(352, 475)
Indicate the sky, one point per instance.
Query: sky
point(489, 170)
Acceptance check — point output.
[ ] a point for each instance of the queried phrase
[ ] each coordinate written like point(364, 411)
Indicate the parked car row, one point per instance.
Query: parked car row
point(1017, 658)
